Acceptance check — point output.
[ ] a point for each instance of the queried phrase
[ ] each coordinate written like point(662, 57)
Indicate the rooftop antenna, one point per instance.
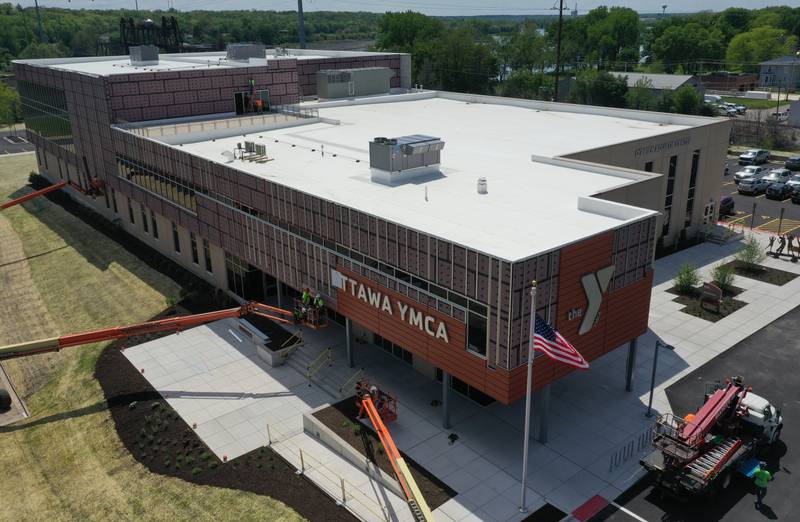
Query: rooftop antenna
point(664, 10)
point(39, 22)
point(558, 47)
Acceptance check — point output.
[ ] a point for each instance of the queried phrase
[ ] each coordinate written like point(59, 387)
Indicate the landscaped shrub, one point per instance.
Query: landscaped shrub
point(196, 471)
point(751, 254)
point(686, 279)
point(723, 275)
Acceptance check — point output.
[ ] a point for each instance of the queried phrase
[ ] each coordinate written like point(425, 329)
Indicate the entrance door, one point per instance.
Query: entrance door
point(708, 213)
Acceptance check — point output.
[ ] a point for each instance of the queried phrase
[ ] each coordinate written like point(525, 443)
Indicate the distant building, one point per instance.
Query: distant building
point(662, 82)
point(783, 72)
point(728, 81)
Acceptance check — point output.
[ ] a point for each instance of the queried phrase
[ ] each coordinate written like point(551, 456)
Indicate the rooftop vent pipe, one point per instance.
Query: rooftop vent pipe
point(483, 187)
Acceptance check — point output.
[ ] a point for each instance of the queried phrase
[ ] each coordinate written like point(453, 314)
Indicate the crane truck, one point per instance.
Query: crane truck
point(699, 454)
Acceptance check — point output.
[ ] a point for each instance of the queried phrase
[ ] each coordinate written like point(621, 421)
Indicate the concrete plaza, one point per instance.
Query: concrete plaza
point(212, 377)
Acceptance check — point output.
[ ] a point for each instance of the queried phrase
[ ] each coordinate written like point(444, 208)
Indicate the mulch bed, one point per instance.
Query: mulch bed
point(342, 419)
point(765, 274)
point(693, 307)
point(160, 440)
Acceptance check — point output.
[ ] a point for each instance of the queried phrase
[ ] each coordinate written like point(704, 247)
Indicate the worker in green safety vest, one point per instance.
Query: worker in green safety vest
point(762, 478)
point(318, 302)
point(306, 298)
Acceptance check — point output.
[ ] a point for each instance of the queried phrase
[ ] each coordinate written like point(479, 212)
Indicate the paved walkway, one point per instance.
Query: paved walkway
point(596, 428)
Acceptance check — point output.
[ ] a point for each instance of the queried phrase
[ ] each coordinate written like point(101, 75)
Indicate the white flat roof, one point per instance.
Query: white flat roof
point(532, 206)
point(108, 65)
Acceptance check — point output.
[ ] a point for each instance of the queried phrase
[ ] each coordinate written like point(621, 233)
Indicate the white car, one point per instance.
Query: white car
point(753, 186)
point(777, 176)
point(750, 171)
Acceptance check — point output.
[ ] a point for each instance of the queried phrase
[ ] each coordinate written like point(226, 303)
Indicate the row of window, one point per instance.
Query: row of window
point(44, 110)
point(671, 173)
point(152, 224)
point(171, 188)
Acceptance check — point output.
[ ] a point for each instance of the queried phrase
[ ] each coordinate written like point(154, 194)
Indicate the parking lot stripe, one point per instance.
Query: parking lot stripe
point(734, 192)
point(787, 226)
point(761, 196)
point(627, 511)
point(739, 219)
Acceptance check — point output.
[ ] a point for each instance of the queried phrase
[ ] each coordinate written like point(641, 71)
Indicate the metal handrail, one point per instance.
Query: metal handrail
point(351, 381)
point(348, 489)
point(298, 334)
point(318, 362)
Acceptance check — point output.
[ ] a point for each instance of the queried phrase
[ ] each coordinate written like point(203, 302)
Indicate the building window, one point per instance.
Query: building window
point(476, 334)
point(692, 185)
point(394, 349)
point(648, 167)
point(673, 165)
point(168, 186)
point(144, 220)
point(193, 244)
point(465, 389)
point(44, 110)
point(176, 239)
point(114, 200)
point(207, 256)
point(154, 223)
point(130, 211)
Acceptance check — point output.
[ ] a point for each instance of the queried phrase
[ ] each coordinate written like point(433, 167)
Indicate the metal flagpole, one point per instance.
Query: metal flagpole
point(522, 507)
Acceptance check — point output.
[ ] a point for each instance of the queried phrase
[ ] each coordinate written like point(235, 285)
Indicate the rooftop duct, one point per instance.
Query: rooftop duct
point(396, 160)
point(142, 55)
point(243, 52)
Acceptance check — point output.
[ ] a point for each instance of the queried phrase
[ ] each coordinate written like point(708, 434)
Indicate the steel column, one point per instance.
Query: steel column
point(348, 328)
point(630, 365)
point(446, 384)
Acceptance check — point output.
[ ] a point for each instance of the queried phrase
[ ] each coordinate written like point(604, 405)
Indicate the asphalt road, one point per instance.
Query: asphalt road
point(768, 360)
point(10, 147)
point(767, 211)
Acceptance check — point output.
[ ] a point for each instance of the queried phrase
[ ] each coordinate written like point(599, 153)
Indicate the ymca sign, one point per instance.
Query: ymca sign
point(391, 306)
point(594, 286)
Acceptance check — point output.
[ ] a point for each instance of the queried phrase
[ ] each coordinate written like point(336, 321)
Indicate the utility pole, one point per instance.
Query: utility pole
point(39, 21)
point(301, 26)
point(558, 45)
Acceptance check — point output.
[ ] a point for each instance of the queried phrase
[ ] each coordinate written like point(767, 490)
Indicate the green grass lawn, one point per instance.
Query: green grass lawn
point(66, 462)
point(755, 104)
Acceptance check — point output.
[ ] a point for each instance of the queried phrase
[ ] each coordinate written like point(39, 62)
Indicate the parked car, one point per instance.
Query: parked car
point(753, 186)
point(778, 176)
point(740, 109)
point(727, 169)
point(794, 182)
point(754, 157)
point(751, 171)
point(780, 116)
point(795, 197)
point(724, 110)
point(712, 98)
point(726, 206)
point(779, 191)
point(793, 163)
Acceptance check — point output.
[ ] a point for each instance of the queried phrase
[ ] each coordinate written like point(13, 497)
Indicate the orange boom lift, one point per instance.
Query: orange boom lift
point(173, 324)
point(95, 188)
point(367, 396)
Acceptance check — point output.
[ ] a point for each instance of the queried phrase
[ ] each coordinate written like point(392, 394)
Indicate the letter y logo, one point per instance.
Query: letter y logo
point(595, 286)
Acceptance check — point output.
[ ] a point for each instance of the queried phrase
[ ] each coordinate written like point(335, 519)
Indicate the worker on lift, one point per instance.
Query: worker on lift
point(318, 302)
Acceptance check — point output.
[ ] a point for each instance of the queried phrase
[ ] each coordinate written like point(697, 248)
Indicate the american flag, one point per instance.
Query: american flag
point(553, 345)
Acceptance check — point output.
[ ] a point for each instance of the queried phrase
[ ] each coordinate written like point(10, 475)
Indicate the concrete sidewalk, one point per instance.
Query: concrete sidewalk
point(597, 430)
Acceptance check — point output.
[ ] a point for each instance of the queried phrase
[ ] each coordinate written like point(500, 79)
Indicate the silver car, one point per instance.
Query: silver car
point(750, 171)
point(794, 182)
point(777, 176)
point(753, 186)
point(754, 157)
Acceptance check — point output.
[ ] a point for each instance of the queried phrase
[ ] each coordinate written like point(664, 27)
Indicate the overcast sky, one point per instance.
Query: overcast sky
point(432, 7)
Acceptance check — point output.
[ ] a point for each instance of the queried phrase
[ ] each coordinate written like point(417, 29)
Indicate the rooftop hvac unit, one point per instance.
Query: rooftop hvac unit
point(249, 146)
point(343, 83)
point(242, 52)
point(395, 160)
point(261, 150)
point(142, 55)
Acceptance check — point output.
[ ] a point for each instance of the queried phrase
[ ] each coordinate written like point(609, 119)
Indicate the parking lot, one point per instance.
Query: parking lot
point(768, 362)
point(766, 215)
point(14, 142)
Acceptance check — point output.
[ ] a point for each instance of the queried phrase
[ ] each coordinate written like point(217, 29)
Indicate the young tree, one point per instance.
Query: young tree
point(599, 88)
point(527, 84)
point(9, 105)
point(641, 96)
